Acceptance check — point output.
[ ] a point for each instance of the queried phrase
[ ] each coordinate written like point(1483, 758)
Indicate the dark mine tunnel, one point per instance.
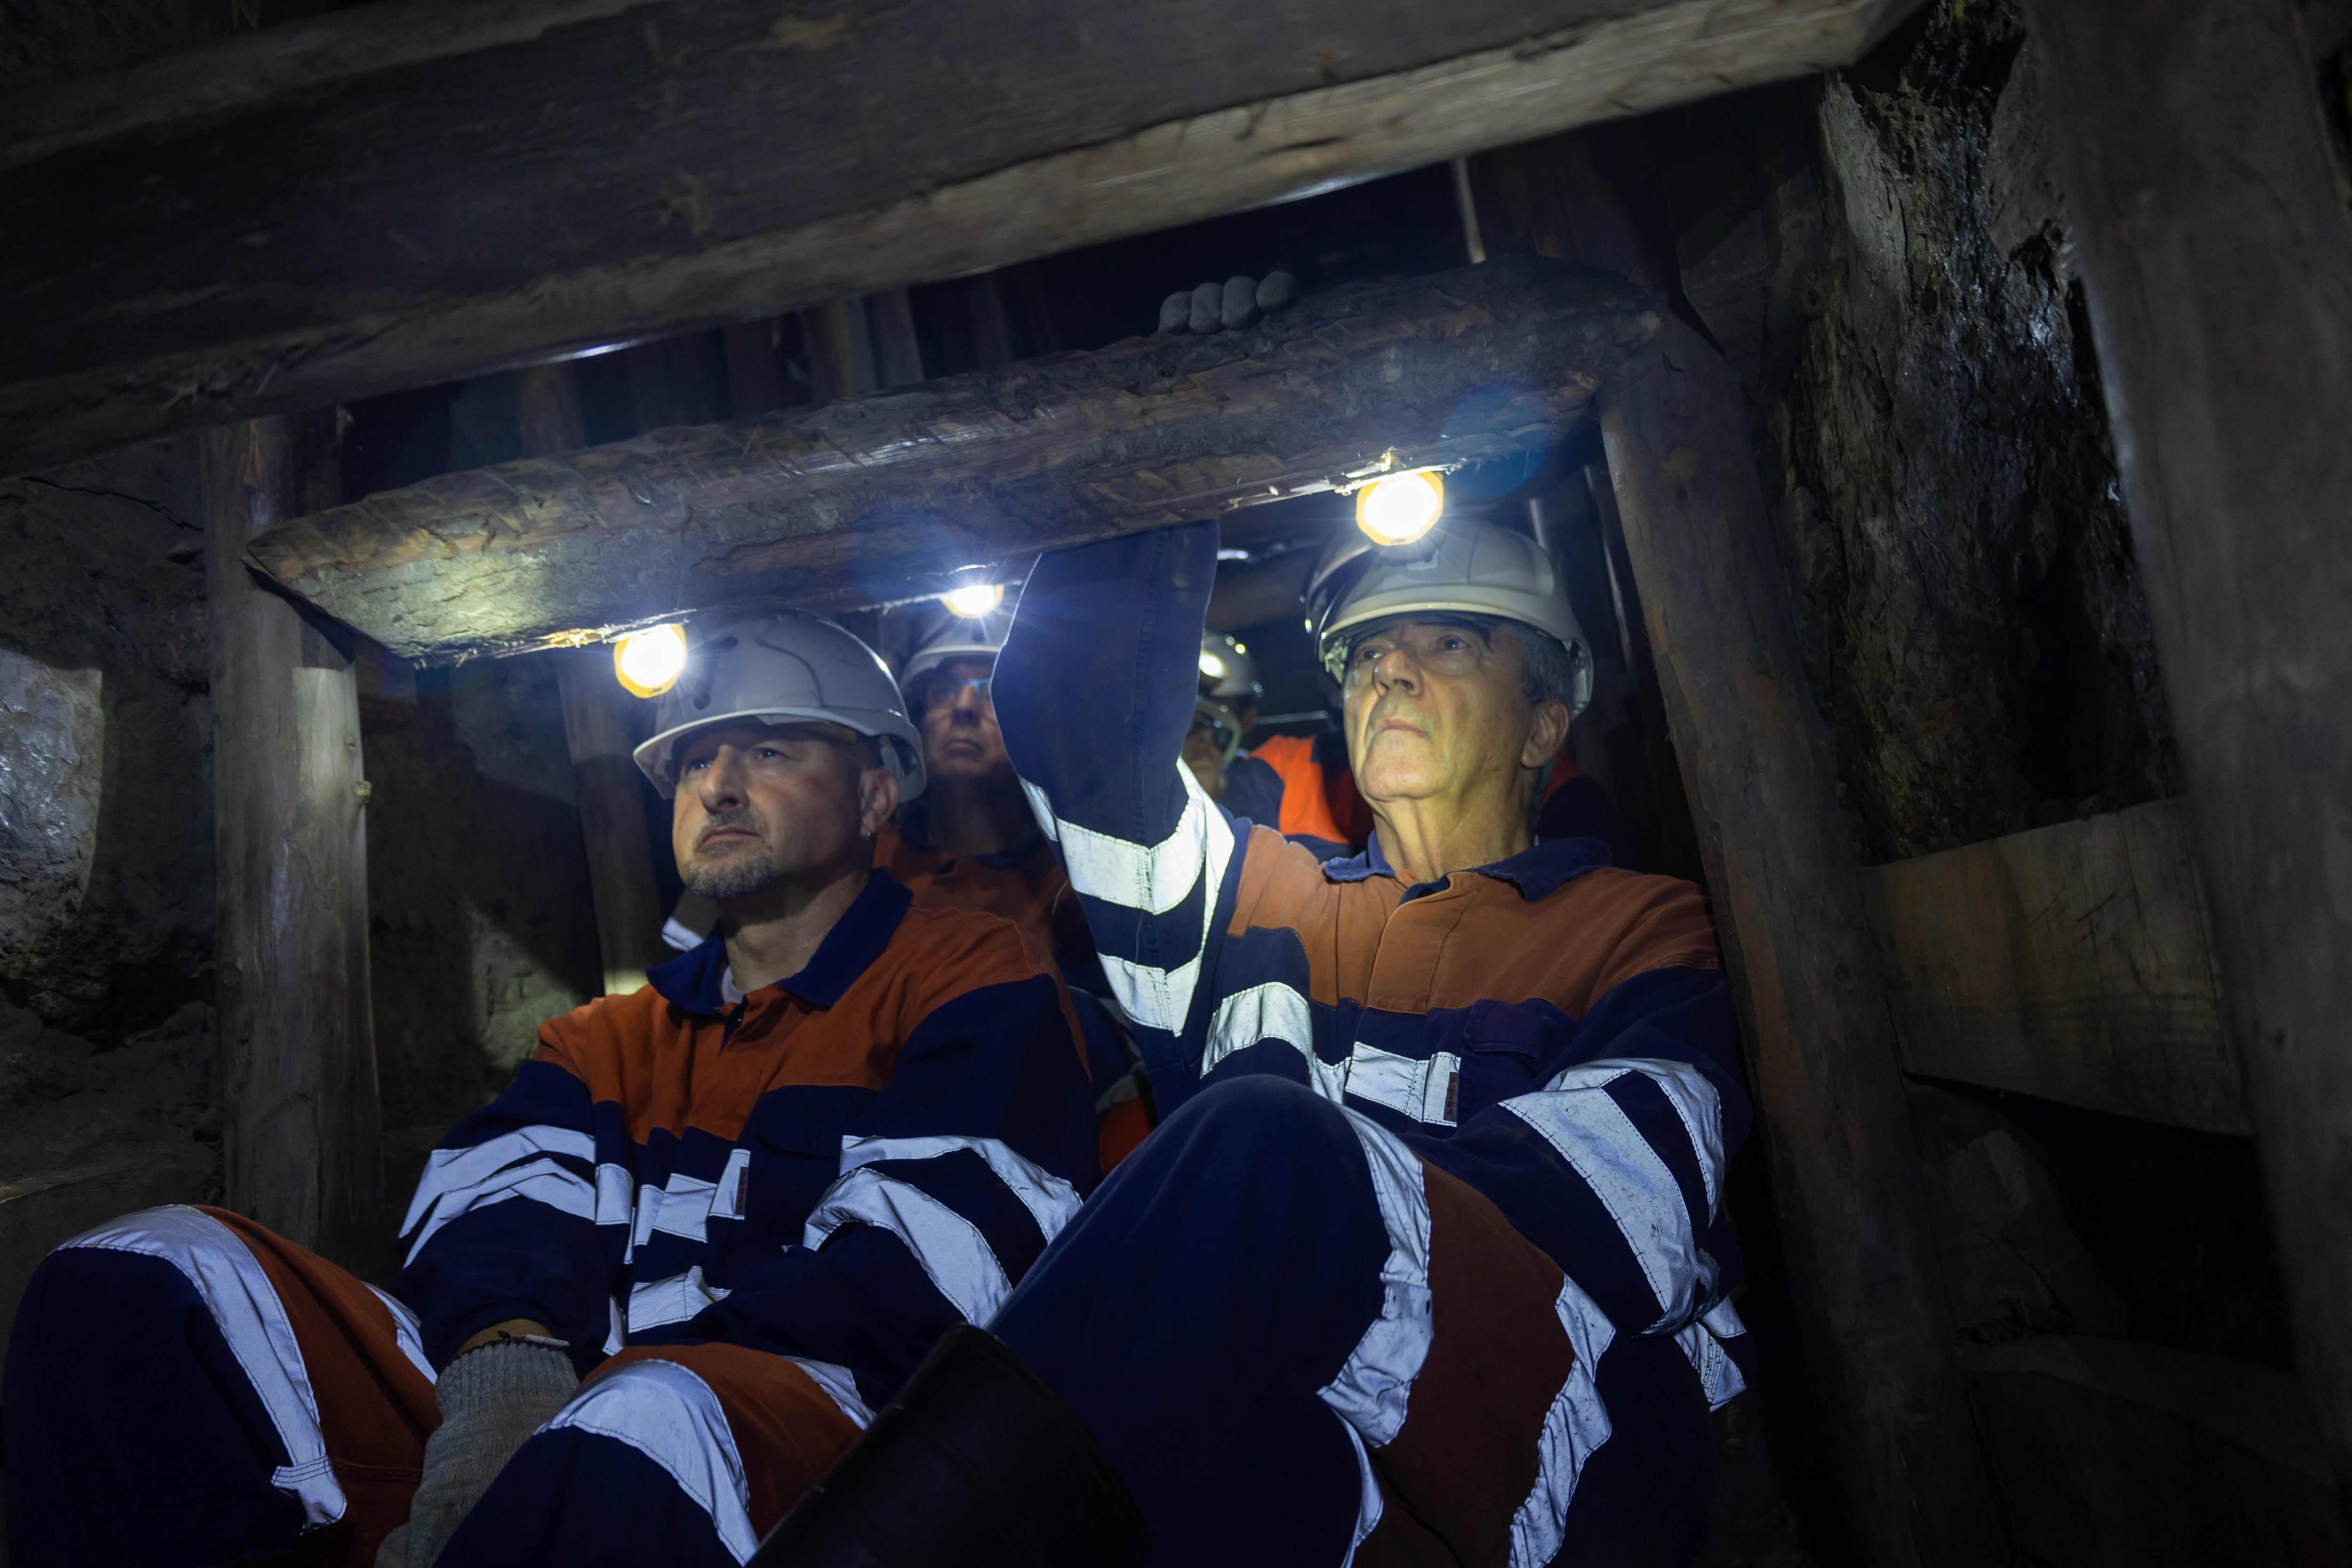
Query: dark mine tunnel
point(632, 929)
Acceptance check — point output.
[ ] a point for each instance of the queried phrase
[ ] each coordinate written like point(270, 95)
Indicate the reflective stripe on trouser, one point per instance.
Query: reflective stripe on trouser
point(183, 1386)
point(1268, 1261)
point(680, 1455)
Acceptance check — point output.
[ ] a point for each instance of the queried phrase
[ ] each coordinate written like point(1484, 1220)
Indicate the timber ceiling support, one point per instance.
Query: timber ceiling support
point(2201, 196)
point(409, 191)
point(880, 497)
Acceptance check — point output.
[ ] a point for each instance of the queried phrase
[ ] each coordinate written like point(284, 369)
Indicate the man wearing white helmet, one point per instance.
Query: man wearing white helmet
point(742, 1203)
point(1425, 1260)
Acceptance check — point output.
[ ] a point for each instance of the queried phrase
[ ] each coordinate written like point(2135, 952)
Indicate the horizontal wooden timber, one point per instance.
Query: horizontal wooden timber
point(883, 496)
point(2115, 1454)
point(2071, 962)
point(401, 193)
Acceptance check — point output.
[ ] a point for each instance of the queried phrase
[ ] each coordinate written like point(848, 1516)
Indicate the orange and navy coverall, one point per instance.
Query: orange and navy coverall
point(1426, 1261)
point(750, 1216)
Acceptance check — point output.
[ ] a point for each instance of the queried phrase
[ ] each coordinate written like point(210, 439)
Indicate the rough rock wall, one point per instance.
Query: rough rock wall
point(1976, 629)
point(106, 883)
point(480, 923)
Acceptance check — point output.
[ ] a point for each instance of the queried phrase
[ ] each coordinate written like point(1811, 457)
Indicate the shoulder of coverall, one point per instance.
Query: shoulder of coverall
point(883, 954)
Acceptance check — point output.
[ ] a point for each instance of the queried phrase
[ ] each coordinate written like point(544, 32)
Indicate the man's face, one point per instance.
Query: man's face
point(1434, 702)
point(757, 807)
point(961, 739)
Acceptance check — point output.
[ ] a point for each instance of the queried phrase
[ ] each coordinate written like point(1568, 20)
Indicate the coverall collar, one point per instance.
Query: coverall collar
point(695, 980)
point(1536, 873)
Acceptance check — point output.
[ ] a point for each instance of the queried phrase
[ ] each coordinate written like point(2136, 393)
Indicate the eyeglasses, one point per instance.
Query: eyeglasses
point(943, 692)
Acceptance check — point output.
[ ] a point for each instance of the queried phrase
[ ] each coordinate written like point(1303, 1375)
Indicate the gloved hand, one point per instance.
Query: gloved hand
point(491, 1399)
point(1229, 306)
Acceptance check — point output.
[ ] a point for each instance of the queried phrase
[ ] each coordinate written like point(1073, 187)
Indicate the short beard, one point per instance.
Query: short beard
point(739, 876)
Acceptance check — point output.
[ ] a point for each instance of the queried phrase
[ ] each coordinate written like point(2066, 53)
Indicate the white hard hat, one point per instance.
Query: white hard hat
point(1228, 673)
point(784, 666)
point(955, 636)
point(1474, 569)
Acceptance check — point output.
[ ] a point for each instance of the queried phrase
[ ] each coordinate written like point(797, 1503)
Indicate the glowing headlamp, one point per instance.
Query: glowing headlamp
point(1400, 508)
point(649, 662)
point(974, 600)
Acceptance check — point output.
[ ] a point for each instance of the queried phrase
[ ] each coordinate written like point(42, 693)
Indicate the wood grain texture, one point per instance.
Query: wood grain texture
point(2218, 259)
point(1758, 770)
point(882, 497)
point(2112, 1454)
point(301, 1124)
point(597, 728)
point(2073, 962)
point(679, 164)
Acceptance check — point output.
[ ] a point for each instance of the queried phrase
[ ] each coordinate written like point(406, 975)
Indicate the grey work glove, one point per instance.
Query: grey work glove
point(491, 1399)
point(1235, 303)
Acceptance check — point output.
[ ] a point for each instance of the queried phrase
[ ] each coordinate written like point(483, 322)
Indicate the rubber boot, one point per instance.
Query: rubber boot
point(977, 1464)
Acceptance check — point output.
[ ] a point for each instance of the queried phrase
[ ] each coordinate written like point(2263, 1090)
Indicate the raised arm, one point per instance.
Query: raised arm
point(1094, 691)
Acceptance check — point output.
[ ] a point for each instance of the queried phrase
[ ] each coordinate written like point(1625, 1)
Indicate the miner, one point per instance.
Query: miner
point(742, 1204)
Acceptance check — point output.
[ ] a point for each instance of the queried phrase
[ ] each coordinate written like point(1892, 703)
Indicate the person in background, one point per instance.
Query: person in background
point(1223, 715)
point(970, 842)
point(741, 1203)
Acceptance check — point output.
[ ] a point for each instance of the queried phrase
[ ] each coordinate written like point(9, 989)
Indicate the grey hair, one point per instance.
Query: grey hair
point(1548, 672)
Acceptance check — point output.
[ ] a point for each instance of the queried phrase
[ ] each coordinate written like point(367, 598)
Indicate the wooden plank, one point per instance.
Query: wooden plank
point(1758, 767)
point(2111, 1454)
point(677, 164)
point(2072, 961)
point(301, 1127)
point(883, 496)
point(2218, 258)
point(597, 726)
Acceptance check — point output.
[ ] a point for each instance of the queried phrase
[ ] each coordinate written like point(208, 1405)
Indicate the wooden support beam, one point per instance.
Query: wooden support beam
point(1757, 765)
point(883, 497)
point(598, 727)
point(302, 1125)
point(681, 163)
point(2073, 963)
point(2205, 216)
point(2112, 1454)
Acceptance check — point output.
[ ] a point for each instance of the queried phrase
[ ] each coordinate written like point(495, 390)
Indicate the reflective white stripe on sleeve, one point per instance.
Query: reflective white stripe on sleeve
point(1686, 1089)
point(1153, 879)
point(244, 1306)
point(671, 1300)
point(451, 1172)
point(406, 1333)
point(1702, 1342)
point(1376, 1380)
point(672, 1418)
point(840, 1385)
point(540, 1181)
point(949, 1247)
point(1608, 1151)
point(615, 1193)
point(1052, 1202)
point(683, 1206)
point(1576, 1425)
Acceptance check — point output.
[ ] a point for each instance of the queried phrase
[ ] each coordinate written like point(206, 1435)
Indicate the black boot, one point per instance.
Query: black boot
point(978, 1463)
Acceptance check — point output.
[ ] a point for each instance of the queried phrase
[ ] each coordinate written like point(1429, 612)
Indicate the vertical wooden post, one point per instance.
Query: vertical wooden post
point(832, 350)
point(1758, 767)
point(596, 726)
point(302, 1123)
point(2201, 191)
